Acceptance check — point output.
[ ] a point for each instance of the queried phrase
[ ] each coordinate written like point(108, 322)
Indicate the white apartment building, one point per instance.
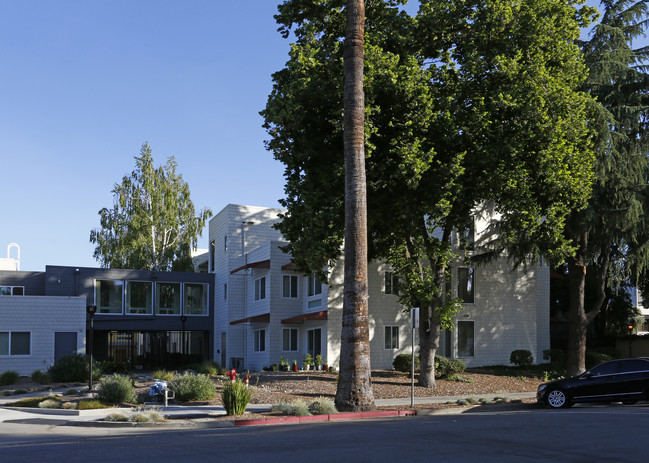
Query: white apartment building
point(265, 309)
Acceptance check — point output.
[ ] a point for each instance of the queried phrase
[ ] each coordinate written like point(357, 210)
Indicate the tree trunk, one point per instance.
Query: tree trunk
point(577, 320)
point(354, 391)
point(429, 332)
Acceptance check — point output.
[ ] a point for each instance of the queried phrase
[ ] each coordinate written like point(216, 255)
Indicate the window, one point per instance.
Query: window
point(12, 290)
point(225, 243)
point(465, 336)
point(391, 337)
point(195, 297)
point(212, 254)
point(167, 298)
point(139, 297)
point(314, 286)
point(289, 286)
point(108, 296)
point(260, 340)
point(466, 284)
point(391, 283)
point(225, 291)
point(289, 339)
point(314, 342)
point(260, 288)
point(15, 343)
point(466, 237)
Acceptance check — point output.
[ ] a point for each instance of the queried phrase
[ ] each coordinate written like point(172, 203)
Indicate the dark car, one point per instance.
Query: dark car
point(624, 380)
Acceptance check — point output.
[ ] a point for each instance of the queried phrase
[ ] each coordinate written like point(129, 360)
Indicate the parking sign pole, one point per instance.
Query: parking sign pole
point(414, 315)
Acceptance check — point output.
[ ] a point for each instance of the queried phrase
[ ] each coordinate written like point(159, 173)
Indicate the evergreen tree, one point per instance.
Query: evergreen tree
point(610, 234)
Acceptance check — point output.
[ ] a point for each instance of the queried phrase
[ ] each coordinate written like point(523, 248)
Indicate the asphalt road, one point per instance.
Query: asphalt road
point(581, 434)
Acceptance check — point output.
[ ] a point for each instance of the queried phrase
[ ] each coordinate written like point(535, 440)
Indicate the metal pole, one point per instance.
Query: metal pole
point(412, 377)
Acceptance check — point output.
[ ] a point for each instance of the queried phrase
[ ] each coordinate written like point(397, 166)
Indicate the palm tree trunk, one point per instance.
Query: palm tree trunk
point(355, 384)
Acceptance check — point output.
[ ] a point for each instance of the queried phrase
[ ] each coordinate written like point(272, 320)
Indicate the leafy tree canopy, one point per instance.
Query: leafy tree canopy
point(152, 224)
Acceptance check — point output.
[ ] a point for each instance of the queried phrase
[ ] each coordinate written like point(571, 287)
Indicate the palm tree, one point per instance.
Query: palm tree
point(355, 385)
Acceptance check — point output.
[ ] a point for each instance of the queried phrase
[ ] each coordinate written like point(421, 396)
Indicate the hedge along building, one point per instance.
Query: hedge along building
point(144, 319)
point(266, 310)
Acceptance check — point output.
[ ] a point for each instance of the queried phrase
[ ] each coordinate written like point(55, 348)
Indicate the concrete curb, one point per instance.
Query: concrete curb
point(320, 418)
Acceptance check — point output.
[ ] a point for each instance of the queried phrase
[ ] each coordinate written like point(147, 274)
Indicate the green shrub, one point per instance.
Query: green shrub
point(116, 417)
point(117, 389)
point(555, 356)
point(445, 367)
point(458, 378)
point(594, 358)
point(74, 367)
point(164, 375)
point(9, 377)
point(69, 406)
point(297, 408)
point(50, 403)
point(403, 362)
point(189, 387)
point(235, 397)
point(110, 368)
point(522, 358)
point(30, 402)
point(322, 406)
point(40, 377)
point(91, 405)
point(208, 368)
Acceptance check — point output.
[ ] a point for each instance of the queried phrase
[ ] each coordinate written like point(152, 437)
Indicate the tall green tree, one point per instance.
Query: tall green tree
point(471, 103)
point(153, 224)
point(611, 233)
point(354, 391)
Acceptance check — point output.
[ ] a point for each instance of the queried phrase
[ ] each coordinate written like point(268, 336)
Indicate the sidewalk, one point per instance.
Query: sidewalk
point(59, 417)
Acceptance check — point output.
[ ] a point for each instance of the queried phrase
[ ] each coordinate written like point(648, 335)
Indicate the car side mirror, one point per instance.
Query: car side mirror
point(586, 375)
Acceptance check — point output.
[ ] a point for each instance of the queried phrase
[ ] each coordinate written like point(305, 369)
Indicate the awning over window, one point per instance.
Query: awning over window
point(322, 315)
point(289, 266)
point(260, 264)
point(265, 318)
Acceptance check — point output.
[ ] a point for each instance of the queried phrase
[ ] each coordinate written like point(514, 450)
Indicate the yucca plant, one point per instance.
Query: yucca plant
point(235, 397)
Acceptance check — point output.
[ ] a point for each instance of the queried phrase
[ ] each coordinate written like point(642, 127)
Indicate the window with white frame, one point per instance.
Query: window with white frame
point(391, 283)
point(260, 288)
point(15, 343)
point(465, 338)
point(466, 284)
point(109, 296)
point(289, 286)
point(289, 339)
point(314, 286)
point(167, 298)
point(391, 337)
point(259, 340)
point(195, 299)
point(139, 297)
point(12, 290)
point(314, 342)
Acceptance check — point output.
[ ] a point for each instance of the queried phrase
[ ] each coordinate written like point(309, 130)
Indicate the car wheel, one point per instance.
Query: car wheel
point(556, 398)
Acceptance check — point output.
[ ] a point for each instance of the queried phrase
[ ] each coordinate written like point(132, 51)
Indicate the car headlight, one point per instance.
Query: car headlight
point(542, 387)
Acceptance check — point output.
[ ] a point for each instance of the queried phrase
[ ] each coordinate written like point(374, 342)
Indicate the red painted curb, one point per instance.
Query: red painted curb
point(332, 417)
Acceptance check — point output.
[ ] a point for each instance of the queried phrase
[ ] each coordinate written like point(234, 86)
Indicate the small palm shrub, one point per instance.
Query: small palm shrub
point(403, 362)
point(74, 367)
point(9, 377)
point(322, 406)
point(40, 377)
point(189, 387)
point(235, 397)
point(117, 389)
point(522, 358)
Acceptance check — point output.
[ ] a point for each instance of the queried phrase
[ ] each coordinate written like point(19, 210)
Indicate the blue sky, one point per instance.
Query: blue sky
point(83, 83)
